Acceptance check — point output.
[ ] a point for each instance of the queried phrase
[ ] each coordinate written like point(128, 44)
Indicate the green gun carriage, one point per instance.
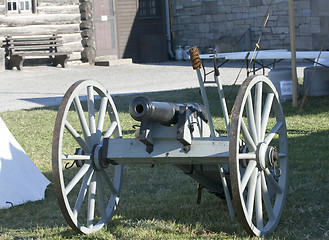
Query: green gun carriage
point(248, 166)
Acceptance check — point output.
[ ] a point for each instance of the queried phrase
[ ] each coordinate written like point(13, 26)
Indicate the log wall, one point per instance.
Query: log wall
point(52, 16)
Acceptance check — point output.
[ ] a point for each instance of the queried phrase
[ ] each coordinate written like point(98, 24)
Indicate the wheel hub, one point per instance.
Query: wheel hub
point(266, 156)
point(97, 159)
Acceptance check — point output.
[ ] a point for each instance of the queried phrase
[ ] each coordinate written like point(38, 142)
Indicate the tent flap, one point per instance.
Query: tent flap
point(20, 179)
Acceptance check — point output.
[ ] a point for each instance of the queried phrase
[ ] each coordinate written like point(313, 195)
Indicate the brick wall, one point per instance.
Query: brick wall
point(234, 25)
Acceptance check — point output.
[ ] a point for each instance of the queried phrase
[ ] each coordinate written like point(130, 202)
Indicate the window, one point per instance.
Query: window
point(19, 6)
point(148, 8)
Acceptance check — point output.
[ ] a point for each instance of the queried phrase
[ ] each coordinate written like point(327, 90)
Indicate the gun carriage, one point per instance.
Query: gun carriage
point(248, 166)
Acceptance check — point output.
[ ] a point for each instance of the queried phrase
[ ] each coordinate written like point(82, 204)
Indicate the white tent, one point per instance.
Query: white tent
point(20, 180)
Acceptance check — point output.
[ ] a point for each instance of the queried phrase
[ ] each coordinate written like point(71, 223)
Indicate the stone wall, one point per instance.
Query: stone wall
point(235, 25)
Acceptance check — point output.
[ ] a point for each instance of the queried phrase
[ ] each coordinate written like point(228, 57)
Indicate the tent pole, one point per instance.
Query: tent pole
point(293, 53)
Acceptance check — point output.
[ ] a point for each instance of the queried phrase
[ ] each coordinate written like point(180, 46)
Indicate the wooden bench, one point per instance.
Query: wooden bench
point(20, 47)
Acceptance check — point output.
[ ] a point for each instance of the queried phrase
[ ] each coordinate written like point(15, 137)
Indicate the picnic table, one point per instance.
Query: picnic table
point(274, 56)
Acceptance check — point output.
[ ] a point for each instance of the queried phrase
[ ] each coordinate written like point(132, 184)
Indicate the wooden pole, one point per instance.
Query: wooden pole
point(293, 53)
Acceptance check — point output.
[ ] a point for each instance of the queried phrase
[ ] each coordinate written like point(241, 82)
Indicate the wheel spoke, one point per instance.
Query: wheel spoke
point(247, 156)
point(83, 170)
point(91, 111)
point(111, 129)
point(82, 192)
point(251, 193)
point(77, 137)
point(82, 120)
point(109, 182)
point(247, 138)
point(266, 114)
point(251, 119)
point(266, 198)
point(114, 206)
point(272, 181)
point(101, 117)
point(258, 108)
point(249, 170)
point(91, 200)
point(101, 198)
point(272, 133)
point(259, 204)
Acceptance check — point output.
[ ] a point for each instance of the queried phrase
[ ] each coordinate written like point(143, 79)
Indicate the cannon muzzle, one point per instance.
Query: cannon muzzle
point(142, 108)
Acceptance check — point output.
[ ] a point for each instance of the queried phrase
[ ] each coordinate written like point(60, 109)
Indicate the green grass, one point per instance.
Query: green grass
point(160, 202)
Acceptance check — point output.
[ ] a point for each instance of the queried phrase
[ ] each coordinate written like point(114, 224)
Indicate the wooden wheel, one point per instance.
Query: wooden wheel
point(258, 156)
point(87, 188)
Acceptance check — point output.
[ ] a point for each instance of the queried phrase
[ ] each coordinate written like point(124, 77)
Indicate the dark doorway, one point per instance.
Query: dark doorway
point(105, 27)
point(142, 30)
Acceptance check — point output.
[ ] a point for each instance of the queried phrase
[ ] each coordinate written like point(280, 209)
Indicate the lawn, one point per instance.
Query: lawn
point(160, 202)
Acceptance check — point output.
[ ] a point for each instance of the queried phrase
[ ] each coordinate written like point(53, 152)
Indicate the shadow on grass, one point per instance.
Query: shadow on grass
point(312, 105)
point(163, 198)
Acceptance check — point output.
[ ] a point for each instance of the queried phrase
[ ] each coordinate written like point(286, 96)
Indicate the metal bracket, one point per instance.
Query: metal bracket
point(145, 135)
point(104, 150)
point(183, 128)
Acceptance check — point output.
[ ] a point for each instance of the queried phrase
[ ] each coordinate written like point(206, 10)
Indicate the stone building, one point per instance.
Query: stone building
point(233, 25)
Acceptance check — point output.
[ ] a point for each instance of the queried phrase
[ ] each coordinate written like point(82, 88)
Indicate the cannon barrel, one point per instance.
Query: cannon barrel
point(166, 113)
point(142, 108)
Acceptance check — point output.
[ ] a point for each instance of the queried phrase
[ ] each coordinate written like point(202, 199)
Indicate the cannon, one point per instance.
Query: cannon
point(142, 109)
point(247, 166)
